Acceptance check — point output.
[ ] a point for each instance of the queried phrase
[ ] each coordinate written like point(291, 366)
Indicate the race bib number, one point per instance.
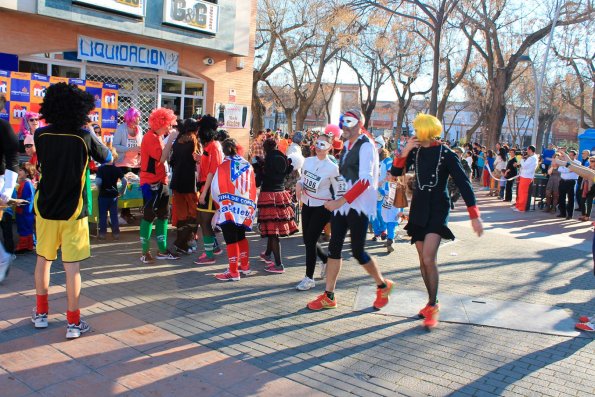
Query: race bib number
point(131, 143)
point(311, 181)
point(341, 187)
point(389, 199)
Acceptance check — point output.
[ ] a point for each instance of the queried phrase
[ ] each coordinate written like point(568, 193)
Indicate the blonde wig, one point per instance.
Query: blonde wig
point(427, 127)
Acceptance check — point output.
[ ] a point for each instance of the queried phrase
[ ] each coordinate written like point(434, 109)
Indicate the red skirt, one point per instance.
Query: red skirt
point(276, 217)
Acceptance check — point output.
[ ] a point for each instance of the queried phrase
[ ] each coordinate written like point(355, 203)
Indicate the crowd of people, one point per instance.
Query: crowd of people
point(198, 178)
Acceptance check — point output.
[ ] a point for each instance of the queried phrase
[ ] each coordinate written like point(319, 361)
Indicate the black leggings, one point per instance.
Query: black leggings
point(313, 221)
point(233, 233)
point(358, 225)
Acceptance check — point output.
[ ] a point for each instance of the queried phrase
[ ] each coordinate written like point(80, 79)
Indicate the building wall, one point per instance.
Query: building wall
point(44, 35)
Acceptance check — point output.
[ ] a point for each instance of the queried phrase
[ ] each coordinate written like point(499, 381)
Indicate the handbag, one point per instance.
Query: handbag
point(401, 194)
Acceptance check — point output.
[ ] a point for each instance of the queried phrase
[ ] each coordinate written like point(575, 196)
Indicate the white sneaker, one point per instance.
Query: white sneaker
point(305, 284)
point(323, 270)
point(5, 266)
point(40, 320)
point(73, 331)
point(122, 221)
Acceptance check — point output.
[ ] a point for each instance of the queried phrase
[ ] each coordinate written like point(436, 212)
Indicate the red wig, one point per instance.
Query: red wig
point(161, 117)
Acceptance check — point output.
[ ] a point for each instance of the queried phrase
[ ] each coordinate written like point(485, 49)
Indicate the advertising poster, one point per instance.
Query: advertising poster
point(231, 115)
point(4, 90)
point(25, 92)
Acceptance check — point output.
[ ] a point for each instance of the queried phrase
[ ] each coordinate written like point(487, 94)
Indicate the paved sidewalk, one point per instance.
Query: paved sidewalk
point(170, 324)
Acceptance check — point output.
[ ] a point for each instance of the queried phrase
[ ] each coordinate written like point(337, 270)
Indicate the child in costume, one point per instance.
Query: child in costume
point(25, 218)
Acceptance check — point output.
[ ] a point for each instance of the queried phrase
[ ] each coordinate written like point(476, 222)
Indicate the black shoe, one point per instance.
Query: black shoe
point(561, 216)
point(568, 218)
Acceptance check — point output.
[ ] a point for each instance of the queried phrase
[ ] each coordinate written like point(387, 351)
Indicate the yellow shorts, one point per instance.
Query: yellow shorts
point(71, 236)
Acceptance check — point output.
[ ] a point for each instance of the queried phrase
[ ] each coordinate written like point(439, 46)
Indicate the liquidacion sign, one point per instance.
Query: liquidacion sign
point(127, 54)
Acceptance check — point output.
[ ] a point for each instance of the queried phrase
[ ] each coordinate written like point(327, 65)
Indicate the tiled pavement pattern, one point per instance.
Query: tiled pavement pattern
point(267, 342)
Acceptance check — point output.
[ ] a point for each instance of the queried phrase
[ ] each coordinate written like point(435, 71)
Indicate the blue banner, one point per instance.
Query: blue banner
point(127, 54)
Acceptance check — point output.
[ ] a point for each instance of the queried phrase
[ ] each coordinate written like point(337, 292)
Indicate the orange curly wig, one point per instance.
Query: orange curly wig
point(161, 117)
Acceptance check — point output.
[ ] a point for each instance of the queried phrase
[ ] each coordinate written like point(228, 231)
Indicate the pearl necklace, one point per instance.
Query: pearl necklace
point(433, 183)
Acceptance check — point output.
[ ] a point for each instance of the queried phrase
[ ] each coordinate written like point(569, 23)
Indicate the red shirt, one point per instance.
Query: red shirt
point(212, 156)
point(151, 170)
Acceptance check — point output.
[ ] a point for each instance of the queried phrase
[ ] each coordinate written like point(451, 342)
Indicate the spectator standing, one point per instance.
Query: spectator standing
point(154, 183)
point(127, 141)
point(63, 151)
point(24, 215)
point(568, 180)
point(510, 173)
point(527, 173)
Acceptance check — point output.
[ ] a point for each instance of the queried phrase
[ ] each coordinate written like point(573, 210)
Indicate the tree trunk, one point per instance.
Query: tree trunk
point(289, 119)
point(469, 133)
point(400, 118)
point(258, 111)
point(300, 118)
point(276, 125)
point(496, 112)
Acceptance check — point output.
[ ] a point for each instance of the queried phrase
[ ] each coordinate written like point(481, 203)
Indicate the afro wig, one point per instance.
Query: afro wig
point(161, 118)
point(427, 127)
point(66, 106)
point(131, 114)
point(207, 129)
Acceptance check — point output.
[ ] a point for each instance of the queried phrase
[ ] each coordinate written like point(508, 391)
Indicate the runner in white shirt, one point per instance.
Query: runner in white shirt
point(320, 182)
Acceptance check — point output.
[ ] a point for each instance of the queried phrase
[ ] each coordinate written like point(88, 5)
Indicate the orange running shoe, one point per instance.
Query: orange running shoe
point(322, 302)
point(423, 313)
point(383, 294)
point(431, 319)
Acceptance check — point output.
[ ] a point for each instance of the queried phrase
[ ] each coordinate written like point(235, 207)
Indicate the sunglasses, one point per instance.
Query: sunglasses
point(28, 146)
point(33, 119)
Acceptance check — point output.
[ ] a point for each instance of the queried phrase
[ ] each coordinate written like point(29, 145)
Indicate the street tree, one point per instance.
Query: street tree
point(502, 48)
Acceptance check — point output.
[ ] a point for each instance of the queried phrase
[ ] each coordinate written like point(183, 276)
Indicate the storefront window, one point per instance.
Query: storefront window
point(193, 88)
point(66, 71)
point(173, 103)
point(171, 86)
point(33, 67)
point(192, 107)
point(184, 96)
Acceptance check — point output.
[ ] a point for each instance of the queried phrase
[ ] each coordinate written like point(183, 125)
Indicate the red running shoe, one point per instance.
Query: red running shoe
point(431, 316)
point(322, 302)
point(423, 313)
point(588, 327)
point(204, 260)
point(227, 276)
point(383, 294)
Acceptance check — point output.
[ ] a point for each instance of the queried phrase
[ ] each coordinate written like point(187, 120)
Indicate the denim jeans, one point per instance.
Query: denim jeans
point(106, 204)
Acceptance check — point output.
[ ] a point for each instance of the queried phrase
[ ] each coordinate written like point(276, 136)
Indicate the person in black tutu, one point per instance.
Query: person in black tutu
point(430, 205)
point(276, 217)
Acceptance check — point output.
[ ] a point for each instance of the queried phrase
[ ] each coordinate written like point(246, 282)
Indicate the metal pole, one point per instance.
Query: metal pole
point(542, 76)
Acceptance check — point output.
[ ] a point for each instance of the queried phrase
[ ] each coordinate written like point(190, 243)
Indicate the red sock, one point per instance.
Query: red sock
point(42, 304)
point(233, 254)
point(244, 254)
point(73, 317)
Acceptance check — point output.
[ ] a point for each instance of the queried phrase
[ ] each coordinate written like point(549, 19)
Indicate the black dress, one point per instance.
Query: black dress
point(430, 205)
